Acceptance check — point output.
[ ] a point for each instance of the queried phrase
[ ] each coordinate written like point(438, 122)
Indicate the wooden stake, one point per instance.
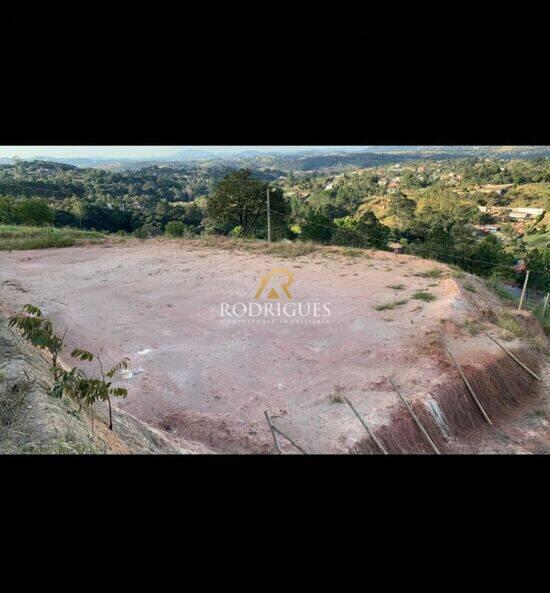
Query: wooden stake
point(514, 358)
point(366, 426)
point(268, 216)
point(523, 291)
point(545, 304)
point(272, 428)
point(289, 440)
point(470, 389)
point(417, 421)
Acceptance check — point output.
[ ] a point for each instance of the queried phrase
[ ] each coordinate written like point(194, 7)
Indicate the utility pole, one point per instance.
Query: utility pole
point(268, 216)
point(523, 291)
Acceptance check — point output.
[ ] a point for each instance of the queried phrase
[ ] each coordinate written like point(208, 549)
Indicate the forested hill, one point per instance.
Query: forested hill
point(301, 159)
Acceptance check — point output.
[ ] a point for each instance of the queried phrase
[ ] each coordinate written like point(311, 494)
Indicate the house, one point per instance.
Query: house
point(526, 212)
point(487, 229)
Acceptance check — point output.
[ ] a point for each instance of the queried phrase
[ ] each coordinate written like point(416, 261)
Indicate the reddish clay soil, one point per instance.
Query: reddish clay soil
point(209, 380)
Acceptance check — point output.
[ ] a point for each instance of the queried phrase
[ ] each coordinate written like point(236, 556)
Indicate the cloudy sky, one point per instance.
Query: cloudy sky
point(133, 152)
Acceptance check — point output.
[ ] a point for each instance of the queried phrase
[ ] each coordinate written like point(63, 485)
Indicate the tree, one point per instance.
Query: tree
point(362, 230)
point(38, 331)
point(239, 200)
point(316, 227)
point(402, 208)
point(93, 390)
point(538, 262)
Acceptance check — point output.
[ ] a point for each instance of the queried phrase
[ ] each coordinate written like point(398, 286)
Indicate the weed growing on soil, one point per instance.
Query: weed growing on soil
point(390, 306)
point(433, 273)
point(424, 296)
point(397, 286)
point(336, 396)
point(469, 287)
point(509, 323)
point(474, 327)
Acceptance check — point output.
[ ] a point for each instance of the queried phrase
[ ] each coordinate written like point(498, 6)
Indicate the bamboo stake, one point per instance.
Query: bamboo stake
point(523, 291)
point(367, 427)
point(526, 368)
point(290, 440)
point(271, 427)
point(470, 389)
point(417, 421)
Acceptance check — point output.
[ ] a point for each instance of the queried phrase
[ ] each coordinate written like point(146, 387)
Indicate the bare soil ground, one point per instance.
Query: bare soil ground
point(201, 378)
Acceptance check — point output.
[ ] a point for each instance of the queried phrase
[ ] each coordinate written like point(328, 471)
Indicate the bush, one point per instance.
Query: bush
point(147, 230)
point(175, 228)
point(236, 231)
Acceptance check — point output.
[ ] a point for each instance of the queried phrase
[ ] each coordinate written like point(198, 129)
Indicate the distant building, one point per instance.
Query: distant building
point(531, 212)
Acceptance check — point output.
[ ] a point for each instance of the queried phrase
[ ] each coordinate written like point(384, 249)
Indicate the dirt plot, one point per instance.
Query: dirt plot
point(207, 378)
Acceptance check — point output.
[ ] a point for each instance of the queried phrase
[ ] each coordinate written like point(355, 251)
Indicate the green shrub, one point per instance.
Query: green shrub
point(175, 228)
point(424, 296)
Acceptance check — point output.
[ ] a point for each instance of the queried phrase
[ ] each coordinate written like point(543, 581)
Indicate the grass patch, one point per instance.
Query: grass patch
point(397, 286)
point(474, 327)
point(14, 237)
point(352, 252)
point(544, 319)
point(433, 273)
point(424, 296)
point(469, 287)
point(390, 306)
point(336, 396)
point(509, 323)
point(500, 291)
point(285, 249)
point(11, 415)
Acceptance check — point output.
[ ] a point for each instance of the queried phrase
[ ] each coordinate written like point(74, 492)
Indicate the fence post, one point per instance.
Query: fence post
point(523, 291)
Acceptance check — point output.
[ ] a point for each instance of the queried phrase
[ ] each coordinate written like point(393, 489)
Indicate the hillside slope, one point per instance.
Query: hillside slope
point(32, 422)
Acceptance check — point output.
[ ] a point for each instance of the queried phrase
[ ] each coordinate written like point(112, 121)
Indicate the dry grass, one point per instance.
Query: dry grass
point(285, 249)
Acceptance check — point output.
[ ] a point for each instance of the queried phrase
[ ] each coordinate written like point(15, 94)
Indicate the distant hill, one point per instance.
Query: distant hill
point(301, 158)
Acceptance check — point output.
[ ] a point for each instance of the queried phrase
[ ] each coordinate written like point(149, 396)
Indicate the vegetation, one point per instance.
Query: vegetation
point(390, 306)
point(23, 237)
point(73, 383)
point(430, 203)
point(424, 296)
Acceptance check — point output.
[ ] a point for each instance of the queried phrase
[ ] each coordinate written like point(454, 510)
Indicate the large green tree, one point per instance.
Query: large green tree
point(402, 208)
point(240, 200)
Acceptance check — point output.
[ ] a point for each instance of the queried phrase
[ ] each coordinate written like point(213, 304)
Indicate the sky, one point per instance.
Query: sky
point(132, 152)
